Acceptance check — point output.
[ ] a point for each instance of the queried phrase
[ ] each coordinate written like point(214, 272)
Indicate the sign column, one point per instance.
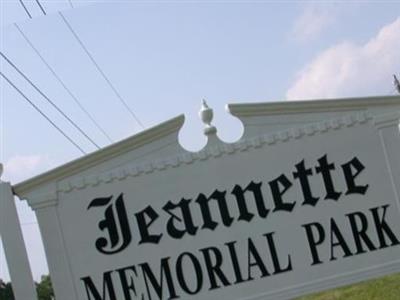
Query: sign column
point(45, 207)
point(14, 246)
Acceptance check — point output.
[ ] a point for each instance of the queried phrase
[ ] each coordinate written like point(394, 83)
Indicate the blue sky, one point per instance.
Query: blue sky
point(164, 57)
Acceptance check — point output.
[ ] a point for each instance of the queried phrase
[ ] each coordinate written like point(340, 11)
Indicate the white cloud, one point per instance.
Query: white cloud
point(20, 163)
point(312, 22)
point(21, 167)
point(348, 69)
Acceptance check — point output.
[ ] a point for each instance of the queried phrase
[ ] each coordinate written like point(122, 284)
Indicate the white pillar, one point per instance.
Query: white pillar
point(14, 246)
point(57, 259)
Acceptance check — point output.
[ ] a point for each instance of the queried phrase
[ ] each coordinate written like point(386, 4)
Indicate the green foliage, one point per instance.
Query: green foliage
point(385, 288)
point(6, 292)
point(44, 290)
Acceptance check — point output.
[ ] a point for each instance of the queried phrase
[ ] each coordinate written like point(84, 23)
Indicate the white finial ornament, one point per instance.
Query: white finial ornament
point(206, 114)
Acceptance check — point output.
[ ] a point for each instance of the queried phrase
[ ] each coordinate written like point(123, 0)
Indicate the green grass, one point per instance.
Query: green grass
point(385, 288)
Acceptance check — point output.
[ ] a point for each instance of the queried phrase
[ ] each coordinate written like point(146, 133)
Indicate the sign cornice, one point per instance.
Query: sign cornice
point(214, 150)
point(242, 111)
point(81, 164)
point(310, 106)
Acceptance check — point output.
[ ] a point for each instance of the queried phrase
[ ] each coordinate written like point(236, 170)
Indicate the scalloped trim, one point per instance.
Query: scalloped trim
point(220, 149)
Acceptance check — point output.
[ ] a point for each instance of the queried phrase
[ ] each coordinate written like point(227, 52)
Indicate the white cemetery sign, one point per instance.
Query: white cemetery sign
point(307, 199)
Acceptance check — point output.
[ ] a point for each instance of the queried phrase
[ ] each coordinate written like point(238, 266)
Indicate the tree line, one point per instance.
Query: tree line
point(44, 289)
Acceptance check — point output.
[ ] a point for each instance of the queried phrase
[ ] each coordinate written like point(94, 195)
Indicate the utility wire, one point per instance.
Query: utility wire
point(100, 70)
point(70, 3)
point(48, 100)
point(41, 112)
point(41, 7)
point(26, 10)
point(396, 83)
point(62, 82)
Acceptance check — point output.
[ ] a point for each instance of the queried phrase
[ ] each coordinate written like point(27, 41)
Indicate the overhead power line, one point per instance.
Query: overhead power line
point(26, 10)
point(121, 99)
point(42, 113)
point(48, 99)
point(70, 4)
point(41, 7)
point(62, 83)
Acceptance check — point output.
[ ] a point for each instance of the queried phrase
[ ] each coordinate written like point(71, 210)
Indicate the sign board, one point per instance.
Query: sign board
point(306, 200)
